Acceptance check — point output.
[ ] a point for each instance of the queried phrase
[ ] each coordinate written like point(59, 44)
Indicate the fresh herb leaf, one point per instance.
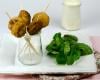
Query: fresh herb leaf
point(66, 47)
point(84, 49)
point(77, 55)
point(51, 54)
point(61, 58)
point(52, 46)
point(73, 55)
point(70, 60)
point(71, 37)
point(58, 39)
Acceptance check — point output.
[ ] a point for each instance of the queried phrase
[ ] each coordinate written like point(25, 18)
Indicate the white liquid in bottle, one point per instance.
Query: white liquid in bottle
point(71, 15)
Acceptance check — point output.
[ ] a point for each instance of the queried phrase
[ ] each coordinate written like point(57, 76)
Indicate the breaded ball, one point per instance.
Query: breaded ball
point(18, 29)
point(41, 17)
point(25, 16)
point(34, 27)
point(12, 22)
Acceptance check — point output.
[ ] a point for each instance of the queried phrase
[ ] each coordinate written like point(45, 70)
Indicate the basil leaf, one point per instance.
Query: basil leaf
point(58, 39)
point(52, 46)
point(70, 37)
point(70, 59)
point(76, 55)
point(66, 47)
point(61, 58)
point(51, 54)
point(73, 55)
point(84, 49)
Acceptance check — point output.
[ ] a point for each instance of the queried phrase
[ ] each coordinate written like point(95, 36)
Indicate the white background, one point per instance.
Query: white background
point(90, 13)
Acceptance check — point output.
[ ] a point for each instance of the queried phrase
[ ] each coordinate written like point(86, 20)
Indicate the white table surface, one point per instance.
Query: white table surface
point(90, 13)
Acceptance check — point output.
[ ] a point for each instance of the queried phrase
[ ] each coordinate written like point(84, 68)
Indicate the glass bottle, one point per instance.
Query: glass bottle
point(71, 15)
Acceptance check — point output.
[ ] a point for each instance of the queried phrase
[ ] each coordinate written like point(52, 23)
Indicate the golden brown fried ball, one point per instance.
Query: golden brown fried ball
point(17, 25)
point(39, 21)
point(12, 22)
point(41, 17)
point(25, 16)
point(34, 27)
point(18, 29)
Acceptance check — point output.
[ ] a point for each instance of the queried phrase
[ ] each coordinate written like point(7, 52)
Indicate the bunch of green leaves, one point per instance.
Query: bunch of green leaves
point(67, 49)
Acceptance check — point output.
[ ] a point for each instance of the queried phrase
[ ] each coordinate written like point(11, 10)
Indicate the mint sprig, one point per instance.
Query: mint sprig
point(67, 49)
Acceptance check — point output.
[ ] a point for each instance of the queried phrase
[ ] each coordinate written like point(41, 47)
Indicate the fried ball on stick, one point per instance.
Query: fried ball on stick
point(12, 22)
point(17, 25)
point(18, 29)
point(39, 21)
point(34, 27)
point(41, 17)
point(25, 16)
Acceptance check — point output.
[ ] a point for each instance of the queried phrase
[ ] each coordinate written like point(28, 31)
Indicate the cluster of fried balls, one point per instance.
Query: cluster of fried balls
point(18, 25)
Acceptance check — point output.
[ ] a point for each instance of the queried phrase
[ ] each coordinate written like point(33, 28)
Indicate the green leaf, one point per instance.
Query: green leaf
point(73, 55)
point(70, 37)
point(51, 54)
point(70, 59)
point(61, 59)
point(52, 46)
point(66, 47)
point(76, 55)
point(58, 39)
point(49, 47)
point(57, 35)
point(55, 52)
point(84, 49)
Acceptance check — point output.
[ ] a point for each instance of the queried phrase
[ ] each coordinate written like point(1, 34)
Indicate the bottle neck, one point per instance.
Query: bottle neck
point(72, 2)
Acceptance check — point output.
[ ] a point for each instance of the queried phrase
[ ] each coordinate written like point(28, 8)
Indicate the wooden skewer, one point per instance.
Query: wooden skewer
point(9, 17)
point(27, 38)
point(45, 9)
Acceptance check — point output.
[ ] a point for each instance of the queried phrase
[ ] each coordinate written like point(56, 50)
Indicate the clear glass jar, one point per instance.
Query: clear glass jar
point(29, 50)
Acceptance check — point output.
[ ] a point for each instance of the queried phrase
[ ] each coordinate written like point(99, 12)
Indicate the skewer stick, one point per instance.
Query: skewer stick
point(9, 17)
point(45, 9)
point(28, 38)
